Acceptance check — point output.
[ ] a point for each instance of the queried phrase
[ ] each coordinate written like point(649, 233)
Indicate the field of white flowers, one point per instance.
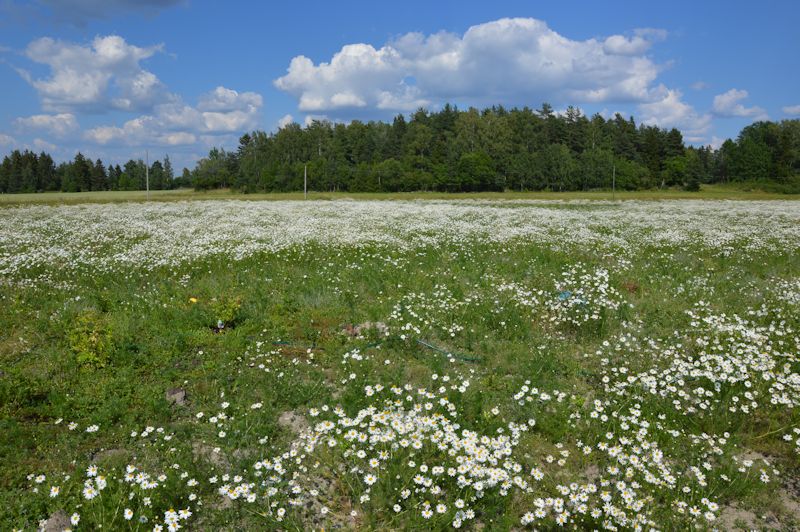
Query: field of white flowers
point(497, 365)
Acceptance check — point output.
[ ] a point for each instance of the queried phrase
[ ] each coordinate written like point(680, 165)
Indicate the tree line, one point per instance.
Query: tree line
point(498, 149)
point(493, 149)
point(26, 171)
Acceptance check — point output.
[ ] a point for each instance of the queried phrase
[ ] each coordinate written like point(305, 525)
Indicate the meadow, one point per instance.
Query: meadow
point(400, 364)
point(729, 191)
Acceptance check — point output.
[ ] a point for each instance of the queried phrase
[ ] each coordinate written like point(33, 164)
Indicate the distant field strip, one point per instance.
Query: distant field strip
point(110, 236)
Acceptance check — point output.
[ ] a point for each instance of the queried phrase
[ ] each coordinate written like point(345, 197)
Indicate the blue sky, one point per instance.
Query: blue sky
point(114, 78)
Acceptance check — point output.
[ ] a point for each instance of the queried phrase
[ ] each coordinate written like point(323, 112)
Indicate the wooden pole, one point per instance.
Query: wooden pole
point(305, 182)
point(147, 173)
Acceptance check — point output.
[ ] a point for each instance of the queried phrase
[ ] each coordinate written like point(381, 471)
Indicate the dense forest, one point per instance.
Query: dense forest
point(499, 149)
point(28, 172)
point(449, 150)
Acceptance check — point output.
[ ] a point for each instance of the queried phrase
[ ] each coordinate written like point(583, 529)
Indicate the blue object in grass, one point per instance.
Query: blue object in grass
point(564, 295)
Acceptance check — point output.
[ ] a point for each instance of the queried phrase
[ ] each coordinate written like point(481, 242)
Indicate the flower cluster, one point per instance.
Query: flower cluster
point(583, 295)
point(409, 443)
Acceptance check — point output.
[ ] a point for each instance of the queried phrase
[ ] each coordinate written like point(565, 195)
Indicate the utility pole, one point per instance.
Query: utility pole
point(614, 183)
point(147, 172)
point(305, 181)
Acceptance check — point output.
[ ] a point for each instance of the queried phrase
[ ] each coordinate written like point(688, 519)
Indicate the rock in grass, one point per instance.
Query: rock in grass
point(110, 455)
point(293, 421)
point(362, 328)
point(202, 452)
point(176, 396)
point(57, 522)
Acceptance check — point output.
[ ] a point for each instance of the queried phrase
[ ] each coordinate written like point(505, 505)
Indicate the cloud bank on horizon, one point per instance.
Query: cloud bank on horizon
point(508, 61)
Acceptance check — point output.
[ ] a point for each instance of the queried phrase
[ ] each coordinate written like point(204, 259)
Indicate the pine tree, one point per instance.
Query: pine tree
point(46, 176)
point(99, 177)
point(156, 176)
point(169, 175)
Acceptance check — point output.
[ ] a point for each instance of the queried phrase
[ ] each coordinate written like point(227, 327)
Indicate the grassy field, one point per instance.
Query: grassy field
point(730, 192)
point(402, 365)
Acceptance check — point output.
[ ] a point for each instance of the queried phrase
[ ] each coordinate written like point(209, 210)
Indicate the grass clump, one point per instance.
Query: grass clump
point(91, 340)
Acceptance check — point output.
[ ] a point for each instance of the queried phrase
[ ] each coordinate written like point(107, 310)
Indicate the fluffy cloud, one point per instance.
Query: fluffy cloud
point(671, 111)
point(620, 45)
point(716, 142)
point(58, 125)
point(142, 130)
point(6, 140)
point(512, 61)
point(218, 112)
point(43, 145)
point(222, 99)
point(728, 104)
point(285, 121)
point(641, 41)
point(105, 74)
point(792, 110)
point(310, 119)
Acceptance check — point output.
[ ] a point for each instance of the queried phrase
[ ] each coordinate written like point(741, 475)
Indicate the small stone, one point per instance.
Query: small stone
point(379, 326)
point(57, 522)
point(224, 504)
point(176, 396)
point(592, 473)
point(241, 454)
point(107, 455)
point(203, 452)
point(292, 421)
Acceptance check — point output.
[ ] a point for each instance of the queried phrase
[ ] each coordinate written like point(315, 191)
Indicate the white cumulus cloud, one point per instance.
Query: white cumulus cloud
point(716, 142)
point(285, 120)
point(793, 110)
point(670, 111)
point(43, 145)
point(621, 45)
point(108, 75)
point(104, 74)
point(177, 123)
point(310, 119)
point(639, 43)
point(222, 99)
point(7, 140)
point(510, 61)
point(728, 104)
point(58, 124)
